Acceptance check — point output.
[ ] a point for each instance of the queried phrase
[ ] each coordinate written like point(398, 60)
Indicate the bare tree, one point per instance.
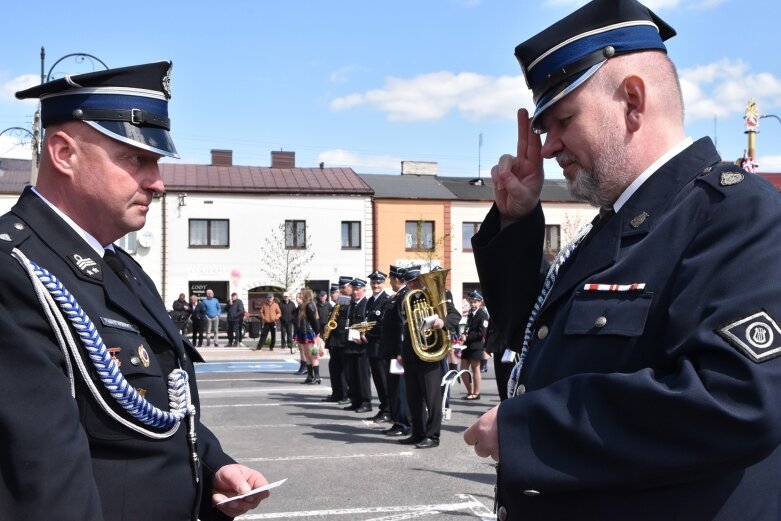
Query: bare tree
point(570, 227)
point(285, 257)
point(436, 254)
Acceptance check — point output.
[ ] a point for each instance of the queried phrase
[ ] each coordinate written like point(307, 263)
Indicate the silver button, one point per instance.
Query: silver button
point(501, 515)
point(521, 389)
point(531, 493)
point(601, 321)
point(19, 226)
point(135, 360)
point(542, 332)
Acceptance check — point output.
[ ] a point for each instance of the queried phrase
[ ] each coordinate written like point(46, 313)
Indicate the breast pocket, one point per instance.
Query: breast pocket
point(606, 313)
point(141, 369)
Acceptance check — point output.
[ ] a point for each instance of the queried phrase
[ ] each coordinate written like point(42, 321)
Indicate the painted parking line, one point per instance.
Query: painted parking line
point(467, 507)
point(260, 366)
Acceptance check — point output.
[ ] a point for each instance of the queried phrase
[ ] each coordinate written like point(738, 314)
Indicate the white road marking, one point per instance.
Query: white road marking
point(398, 513)
point(218, 406)
point(249, 390)
point(329, 456)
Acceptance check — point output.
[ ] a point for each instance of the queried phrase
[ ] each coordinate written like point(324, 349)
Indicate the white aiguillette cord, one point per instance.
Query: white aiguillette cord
point(179, 389)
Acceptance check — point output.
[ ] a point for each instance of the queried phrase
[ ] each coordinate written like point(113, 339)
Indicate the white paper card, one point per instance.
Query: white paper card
point(254, 491)
point(353, 335)
point(428, 322)
point(396, 367)
point(508, 357)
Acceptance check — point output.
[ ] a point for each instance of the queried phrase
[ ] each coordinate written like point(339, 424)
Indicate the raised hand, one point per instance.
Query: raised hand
point(518, 179)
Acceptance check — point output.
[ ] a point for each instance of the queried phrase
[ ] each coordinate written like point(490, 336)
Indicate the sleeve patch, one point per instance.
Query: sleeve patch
point(757, 336)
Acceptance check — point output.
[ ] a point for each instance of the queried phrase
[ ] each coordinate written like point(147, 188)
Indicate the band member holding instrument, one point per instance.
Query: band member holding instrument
point(356, 361)
point(423, 377)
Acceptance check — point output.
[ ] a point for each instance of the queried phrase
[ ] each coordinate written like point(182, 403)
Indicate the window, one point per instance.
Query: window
point(419, 235)
point(351, 235)
point(209, 233)
point(128, 243)
point(295, 235)
point(467, 231)
point(552, 244)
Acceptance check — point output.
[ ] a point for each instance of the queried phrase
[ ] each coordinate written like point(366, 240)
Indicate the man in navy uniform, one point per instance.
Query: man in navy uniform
point(356, 362)
point(423, 378)
point(649, 376)
point(375, 308)
point(337, 340)
point(100, 409)
point(390, 346)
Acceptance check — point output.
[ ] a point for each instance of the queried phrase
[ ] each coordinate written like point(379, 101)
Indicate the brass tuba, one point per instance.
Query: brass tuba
point(331, 324)
point(430, 345)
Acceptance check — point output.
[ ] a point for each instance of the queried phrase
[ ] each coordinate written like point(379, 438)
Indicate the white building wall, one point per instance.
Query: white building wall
point(252, 219)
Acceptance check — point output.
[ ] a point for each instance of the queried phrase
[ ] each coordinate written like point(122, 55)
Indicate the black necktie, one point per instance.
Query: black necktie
point(117, 266)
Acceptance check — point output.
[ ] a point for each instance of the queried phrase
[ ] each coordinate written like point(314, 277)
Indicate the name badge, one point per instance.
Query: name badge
point(118, 324)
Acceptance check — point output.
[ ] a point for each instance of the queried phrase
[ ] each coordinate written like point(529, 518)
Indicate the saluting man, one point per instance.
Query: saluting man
point(100, 410)
point(649, 377)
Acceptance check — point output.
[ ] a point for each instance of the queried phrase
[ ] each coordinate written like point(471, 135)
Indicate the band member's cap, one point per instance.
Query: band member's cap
point(358, 283)
point(377, 276)
point(411, 273)
point(562, 57)
point(129, 104)
point(344, 281)
point(474, 295)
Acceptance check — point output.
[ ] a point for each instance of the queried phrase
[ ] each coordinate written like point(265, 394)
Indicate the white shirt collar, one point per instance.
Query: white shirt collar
point(642, 178)
point(92, 241)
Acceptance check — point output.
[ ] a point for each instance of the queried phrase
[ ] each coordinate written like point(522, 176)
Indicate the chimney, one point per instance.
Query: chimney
point(222, 157)
point(280, 159)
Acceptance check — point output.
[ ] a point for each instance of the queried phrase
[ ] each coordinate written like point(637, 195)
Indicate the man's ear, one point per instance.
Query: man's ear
point(634, 92)
point(63, 152)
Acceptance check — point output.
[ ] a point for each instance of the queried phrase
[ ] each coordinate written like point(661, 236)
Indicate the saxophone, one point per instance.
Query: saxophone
point(331, 324)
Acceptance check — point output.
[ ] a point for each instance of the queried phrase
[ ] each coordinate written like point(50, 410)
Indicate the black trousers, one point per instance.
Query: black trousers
point(265, 330)
point(358, 378)
point(336, 372)
point(234, 331)
point(199, 325)
point(286, 334)
point(380, 370)
point(397, 399)
point(424, 397)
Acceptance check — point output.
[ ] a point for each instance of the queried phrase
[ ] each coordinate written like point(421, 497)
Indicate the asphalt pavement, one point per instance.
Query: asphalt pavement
point(338, 464)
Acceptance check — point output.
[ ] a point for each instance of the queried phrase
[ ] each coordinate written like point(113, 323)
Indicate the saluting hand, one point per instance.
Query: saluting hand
point(518, 179)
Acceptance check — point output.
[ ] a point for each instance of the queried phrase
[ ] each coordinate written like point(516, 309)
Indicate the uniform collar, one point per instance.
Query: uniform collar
point(642, 178)
point(88, 238)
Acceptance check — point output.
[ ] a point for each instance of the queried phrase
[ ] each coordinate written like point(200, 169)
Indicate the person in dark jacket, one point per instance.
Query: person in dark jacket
point(235, 319)
point(100, 412)
point(473, 340)
point(648, 379)
point(180, 313)
point(287, 320)
point(198, 320)
point(375, 309)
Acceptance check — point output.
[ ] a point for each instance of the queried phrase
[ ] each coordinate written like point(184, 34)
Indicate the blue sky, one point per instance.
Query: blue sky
point(370, 84)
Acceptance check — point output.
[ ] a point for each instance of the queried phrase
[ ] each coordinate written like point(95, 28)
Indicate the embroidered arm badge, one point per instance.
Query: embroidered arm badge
point(757, 336)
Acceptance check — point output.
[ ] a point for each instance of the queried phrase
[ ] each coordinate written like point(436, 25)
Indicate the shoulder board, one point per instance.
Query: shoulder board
point(723, 176)
point(13, 232)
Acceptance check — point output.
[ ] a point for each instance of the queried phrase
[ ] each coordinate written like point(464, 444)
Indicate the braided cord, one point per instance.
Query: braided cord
point(550, 278)
point(108, 372)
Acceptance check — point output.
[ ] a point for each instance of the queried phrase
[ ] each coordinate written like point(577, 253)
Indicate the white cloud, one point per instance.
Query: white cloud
point(345, 158)
point(769, 163)
point(723, 89)
point(431, 96)
point(13, 148)
point(11, 87)
point(342, 74)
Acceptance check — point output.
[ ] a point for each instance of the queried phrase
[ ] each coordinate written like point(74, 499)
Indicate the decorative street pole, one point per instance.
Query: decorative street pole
point(751, 119)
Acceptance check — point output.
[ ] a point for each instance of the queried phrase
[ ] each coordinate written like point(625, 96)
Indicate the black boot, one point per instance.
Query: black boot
point(309, 375)
point(301, 367)
point(316, 376)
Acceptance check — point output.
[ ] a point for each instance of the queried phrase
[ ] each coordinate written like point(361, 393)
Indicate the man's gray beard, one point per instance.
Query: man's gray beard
point(606, 180)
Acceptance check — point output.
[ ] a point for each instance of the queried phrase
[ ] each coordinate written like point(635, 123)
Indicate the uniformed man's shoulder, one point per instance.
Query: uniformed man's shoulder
point(731, 180)
point(13, 232)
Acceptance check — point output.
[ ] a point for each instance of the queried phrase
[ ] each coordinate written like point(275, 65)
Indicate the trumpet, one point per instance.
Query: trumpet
point(331, 324)
point(363, 327)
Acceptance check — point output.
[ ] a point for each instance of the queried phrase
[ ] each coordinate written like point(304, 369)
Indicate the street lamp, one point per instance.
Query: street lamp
point(78, 57)
point(771, 116)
